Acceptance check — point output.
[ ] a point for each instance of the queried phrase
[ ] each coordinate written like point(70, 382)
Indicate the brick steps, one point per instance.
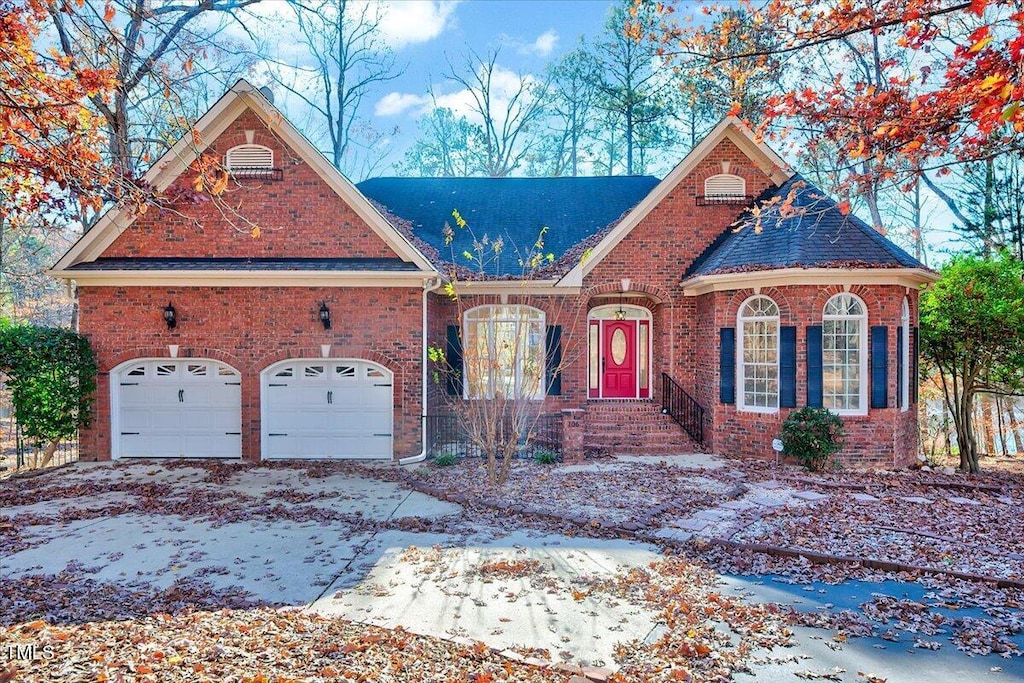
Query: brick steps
point(632, 428)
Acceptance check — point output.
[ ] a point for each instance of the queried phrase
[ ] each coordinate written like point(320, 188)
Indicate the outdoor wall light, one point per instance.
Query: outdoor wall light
point(620, 314)
point(325, 315)
point(170, 316)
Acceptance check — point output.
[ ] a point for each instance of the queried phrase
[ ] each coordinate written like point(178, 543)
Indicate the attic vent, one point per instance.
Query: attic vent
point(724, 188)
point(252, 161)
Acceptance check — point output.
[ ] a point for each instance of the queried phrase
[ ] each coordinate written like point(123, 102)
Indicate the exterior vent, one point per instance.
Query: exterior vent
point(253, 162)
point(724, 188)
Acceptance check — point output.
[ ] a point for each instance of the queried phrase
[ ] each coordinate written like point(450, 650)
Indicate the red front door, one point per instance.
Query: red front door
point(618, 361)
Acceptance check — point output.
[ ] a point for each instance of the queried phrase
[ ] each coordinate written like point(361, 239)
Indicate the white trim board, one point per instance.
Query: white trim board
point(234, 278)
point(781, 277)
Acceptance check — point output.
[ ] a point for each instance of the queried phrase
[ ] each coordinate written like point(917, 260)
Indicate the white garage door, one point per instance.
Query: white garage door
point(327, 409)
point(170, 408)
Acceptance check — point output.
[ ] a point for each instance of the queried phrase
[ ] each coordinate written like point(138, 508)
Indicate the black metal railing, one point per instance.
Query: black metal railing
point(257, 173)
point(17, 452)
point(447, 434)
point(726, 199)
point(682, 408)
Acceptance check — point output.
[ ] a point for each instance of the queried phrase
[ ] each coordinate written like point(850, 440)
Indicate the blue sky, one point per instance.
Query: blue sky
point(425, 35)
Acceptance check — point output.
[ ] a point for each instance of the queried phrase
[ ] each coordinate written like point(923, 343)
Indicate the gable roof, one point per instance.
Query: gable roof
point(514, 209)
point(240, 97)
point(730, 128)
point(815, 235)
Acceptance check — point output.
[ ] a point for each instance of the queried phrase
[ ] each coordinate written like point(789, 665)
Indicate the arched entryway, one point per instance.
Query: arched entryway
point(619, 351)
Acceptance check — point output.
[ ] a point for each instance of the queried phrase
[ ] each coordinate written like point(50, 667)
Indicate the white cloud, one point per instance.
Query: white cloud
point(543, 46)
point(406, 22)
point(395, 103)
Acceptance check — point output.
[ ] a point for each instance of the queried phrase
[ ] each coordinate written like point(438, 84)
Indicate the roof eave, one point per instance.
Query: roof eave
point(243, 278)
point(906, 277)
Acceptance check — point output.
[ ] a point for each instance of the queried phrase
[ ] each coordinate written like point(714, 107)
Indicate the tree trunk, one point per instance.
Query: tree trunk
point(47, 454)
point(1014, 425)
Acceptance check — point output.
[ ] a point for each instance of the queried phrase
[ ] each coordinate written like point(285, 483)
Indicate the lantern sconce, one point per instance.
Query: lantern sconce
point(170, 316)
point(620, 314)
point(325, 315)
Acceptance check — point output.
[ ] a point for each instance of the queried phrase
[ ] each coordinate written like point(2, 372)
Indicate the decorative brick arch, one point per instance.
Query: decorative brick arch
point(865, 294)
point(776, 294)
point(657, 294)
point(160, 353)
point(310, 353)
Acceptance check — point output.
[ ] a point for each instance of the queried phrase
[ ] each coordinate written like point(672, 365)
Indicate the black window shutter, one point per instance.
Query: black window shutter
point(814, 382)
point(453, 379)
point(915, 357)
point(900, 370)
point(727, 365)
point(879, 367)
point(787, 367)
point(553, 360)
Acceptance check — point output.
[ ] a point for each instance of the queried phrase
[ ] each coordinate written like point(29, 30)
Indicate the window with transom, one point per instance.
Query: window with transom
point(503, 352)
point(758, 353)
point(844, 340)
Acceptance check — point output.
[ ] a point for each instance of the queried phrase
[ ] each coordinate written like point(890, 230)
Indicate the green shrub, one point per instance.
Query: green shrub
point(51, 373)
point(445, 459)
point(543, 456)
point(812, 436)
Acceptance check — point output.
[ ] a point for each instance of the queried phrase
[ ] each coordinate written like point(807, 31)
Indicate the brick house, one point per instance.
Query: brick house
point(667, 304)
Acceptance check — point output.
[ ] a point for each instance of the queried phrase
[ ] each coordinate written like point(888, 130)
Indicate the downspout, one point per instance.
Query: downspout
point(428, 286)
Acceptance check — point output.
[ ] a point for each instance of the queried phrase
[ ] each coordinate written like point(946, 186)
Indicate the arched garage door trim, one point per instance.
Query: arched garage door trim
point(326, 408)
point(175, 407)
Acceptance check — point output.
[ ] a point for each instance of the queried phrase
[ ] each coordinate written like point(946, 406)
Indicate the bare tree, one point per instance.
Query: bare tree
point(640, 98)
point(574, 79)
point(448, 146)
point(509, 358)
point(163, 54)
point(508, 107)
point(350, 58)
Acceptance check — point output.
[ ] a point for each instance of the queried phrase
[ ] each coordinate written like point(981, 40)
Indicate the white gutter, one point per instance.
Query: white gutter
point(428, 287)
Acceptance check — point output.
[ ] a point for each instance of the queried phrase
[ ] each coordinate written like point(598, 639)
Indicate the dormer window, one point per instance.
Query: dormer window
point(254, 162)
point(724, 188)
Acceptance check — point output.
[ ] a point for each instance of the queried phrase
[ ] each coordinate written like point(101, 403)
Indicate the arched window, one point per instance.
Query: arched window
point(844, 340)
point(905, 378)
point(503, 352)
point(758, 324)
point(250, 161)
point(725, 187)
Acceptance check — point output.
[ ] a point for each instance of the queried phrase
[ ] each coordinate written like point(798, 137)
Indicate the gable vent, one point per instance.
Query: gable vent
point(724, 188)
point(252, 161)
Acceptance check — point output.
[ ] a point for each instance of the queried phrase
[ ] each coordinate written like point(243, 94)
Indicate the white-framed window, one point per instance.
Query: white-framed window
point(725, 187)
point(758, 368)
point(844, 362)
point(248, 158)
point(905, 360)
point(503, 352)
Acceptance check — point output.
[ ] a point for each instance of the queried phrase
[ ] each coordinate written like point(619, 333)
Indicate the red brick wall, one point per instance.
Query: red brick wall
point(298, 216)
point(658, 251)
point(251, 328)
point(883, 438)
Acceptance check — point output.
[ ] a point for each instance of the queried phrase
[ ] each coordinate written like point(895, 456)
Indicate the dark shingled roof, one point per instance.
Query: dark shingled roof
point(516, 209)
point(818, 235)
point(243, 264)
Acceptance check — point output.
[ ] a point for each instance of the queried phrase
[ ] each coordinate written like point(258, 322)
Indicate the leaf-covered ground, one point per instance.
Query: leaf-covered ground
point(197, 620)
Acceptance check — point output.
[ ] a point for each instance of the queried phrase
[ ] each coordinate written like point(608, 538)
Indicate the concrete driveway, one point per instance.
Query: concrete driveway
point(334, 541)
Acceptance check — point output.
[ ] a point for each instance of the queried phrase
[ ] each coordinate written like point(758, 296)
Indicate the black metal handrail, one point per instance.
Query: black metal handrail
point(682, 408)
